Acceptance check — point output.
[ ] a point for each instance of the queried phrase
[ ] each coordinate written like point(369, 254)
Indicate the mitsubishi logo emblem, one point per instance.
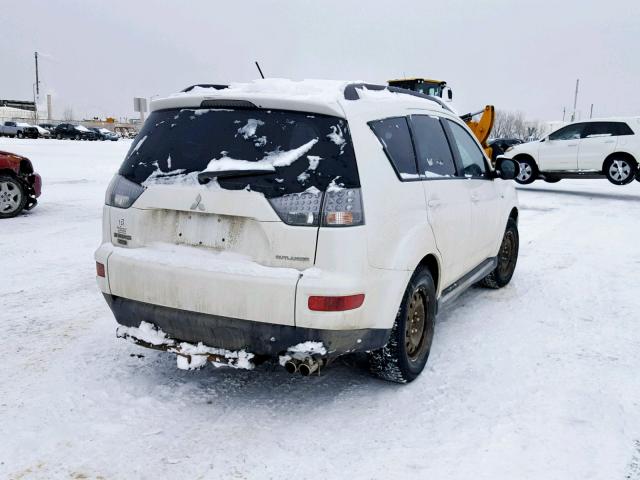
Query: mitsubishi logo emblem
point(197, 205)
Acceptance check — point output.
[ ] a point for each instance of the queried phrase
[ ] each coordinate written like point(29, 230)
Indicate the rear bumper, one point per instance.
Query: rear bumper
point(237, 334)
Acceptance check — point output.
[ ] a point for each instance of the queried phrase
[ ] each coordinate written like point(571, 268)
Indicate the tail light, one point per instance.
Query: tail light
point(100, 269)
point(335, 208)
point(335, 304)
point(122, 193)
point(342, 208)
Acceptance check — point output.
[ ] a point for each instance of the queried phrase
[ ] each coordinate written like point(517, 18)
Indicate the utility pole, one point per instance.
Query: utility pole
point(564, 112)
point(575, 101)
point(591, 112)
point(37, 80)
point(36, 90)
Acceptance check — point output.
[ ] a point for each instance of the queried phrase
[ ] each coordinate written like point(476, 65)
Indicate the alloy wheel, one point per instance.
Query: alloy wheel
point(620, 170)
point(10, 196)
point(525, 172)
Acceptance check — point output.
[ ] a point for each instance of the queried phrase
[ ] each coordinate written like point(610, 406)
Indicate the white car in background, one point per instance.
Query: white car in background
point(42, 132)
point(302, 220)
point(590, 149)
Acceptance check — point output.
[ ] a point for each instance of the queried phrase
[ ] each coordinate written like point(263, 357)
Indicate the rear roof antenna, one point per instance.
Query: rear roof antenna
point(260, 70)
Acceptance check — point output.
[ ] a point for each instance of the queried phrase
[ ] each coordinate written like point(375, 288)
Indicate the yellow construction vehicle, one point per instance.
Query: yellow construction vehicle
point(481, 128)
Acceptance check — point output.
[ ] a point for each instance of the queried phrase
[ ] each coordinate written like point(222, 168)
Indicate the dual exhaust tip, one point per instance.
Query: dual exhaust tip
point(306, 367)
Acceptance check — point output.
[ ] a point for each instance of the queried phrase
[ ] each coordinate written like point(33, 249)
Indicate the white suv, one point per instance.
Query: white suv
point(301, 220)
point(593, 149)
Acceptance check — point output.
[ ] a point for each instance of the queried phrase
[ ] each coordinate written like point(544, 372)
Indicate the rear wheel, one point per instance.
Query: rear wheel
point(528, 171)
point(20, 135)
point(404, 356)
point(507, 258)
point(12, 197)
point(620, 171)
point(77, 137)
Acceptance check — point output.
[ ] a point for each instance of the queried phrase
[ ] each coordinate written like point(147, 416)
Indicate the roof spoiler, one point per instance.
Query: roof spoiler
point(204, 85)
point(351, 93)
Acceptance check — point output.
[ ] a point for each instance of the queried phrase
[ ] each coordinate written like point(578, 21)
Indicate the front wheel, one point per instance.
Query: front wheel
point(405, 355)
point(20, 135)
point(620, 171)
point(507, 258)
point(12, 197)
point(528, 172)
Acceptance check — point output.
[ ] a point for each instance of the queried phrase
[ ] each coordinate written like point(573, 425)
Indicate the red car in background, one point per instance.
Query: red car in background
point(20, 186)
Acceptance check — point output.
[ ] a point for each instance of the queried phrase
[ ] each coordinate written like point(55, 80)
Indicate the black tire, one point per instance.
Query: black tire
point(404, 356)
point(507, 258)
point(58, 136)
point(13, 197)
point(20, 135)
point(620, 170)
point(528, 171)
point(638, 175)
point(77, 137)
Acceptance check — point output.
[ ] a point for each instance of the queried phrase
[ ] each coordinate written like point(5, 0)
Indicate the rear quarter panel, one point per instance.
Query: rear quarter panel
point(398, 231)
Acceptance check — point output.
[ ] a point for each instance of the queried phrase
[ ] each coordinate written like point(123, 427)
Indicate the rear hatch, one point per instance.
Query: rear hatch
point(230, 208)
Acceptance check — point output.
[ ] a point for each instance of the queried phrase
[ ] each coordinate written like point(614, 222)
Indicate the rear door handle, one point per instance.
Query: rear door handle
point(609, 141)
point(572, 144)
point(434, 203)
point(474, 197)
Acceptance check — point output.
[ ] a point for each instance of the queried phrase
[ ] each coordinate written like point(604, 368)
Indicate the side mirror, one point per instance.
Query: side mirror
point(506, 168)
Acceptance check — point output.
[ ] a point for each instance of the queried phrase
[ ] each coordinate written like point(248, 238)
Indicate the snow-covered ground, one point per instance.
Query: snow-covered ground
point(539, 380)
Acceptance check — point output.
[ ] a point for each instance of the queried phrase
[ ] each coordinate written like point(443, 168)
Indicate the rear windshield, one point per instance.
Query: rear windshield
point(283, 152)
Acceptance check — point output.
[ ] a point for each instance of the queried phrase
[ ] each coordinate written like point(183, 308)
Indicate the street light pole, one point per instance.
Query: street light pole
point(35, 105)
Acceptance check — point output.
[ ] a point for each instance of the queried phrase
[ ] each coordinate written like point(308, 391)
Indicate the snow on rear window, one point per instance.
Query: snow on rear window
point(281, 151)
point(249, 130)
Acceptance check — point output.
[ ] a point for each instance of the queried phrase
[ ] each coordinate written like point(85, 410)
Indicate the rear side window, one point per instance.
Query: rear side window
point(274, 152)
point(471, 156)
point(598, 129)
point(621, 128)
point(394, 135)
point(435, 159)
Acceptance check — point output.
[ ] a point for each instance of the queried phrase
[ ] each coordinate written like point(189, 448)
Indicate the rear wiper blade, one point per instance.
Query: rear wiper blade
point(205, 177)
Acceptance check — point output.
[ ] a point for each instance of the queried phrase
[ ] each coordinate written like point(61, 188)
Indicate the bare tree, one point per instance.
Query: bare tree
point(509, 124)
point(68, 114)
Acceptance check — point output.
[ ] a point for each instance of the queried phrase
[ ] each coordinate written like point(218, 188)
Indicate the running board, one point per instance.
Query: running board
point(454, 290)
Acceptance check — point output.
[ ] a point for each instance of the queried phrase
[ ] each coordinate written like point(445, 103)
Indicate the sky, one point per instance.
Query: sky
point(95, 56)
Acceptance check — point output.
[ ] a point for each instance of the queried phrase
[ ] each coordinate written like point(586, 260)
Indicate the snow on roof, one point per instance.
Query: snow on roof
point(322, 96)
point(327, 90)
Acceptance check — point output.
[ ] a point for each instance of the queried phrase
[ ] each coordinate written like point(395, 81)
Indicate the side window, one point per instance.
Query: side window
point(471, 155)
point(394, 135)
point(621, 128)
point(434, 155)
point(599, 129)
point(570, 132)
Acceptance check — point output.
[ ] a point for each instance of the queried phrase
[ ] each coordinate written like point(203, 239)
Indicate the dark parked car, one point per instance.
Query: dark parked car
point(75, 132)
point(500, 145)
point(20, 186)
point(104, 134)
